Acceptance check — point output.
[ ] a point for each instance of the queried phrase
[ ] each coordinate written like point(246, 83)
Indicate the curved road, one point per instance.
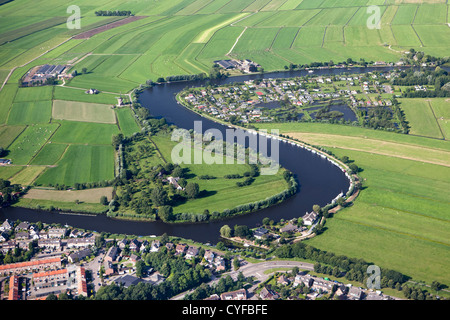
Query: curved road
point(257, 270)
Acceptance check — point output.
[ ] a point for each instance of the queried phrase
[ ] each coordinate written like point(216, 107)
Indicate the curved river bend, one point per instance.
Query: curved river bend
point(320, 181)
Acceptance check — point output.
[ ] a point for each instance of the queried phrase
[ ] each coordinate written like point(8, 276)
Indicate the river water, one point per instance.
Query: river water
point(320, 181)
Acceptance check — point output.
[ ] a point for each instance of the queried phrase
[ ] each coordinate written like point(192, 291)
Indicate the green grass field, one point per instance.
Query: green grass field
point(399, 221)
point(81, 164)
point(85, 133)
point(83, 111)
point(400, 217)
point(224, 194)
point(30, 142)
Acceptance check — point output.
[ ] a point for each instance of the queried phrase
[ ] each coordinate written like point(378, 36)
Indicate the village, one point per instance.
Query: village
point(68, 261)
point(263, 100)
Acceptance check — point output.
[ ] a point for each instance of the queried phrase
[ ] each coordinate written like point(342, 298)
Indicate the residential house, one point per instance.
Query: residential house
point(24, 225)
point(54, 244)
point(283, 280)
point(6, 225)
point(3, 236)
point(134, 245)
point(219, 263)
point(322, 285)
point(144, 245)
point(112, 254)
point(209, 256)
point(22, 235)
point(80, 242)
point(134, 257)
point(122, 244)
point(180, 248)
point(267, 294)
point(8, 245)
point(155, 246)
point(306, 279)
point(341, 290)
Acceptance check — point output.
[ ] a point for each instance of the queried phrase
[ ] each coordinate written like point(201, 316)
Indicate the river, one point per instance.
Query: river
point(320, 181)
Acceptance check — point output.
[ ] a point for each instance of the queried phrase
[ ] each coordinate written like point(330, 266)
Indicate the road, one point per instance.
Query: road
point(257, 270)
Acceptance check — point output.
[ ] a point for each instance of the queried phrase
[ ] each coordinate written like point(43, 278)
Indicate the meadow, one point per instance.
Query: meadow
point(398, 221)
point(82, 111)
point(81, 164)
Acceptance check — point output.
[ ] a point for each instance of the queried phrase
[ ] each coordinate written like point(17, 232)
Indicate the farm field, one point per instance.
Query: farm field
point(82, 111)
point(127, 122)
point(224, 194)
point(81, 164)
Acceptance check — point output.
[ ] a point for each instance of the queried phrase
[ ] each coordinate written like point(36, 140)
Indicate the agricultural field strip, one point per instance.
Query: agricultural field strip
point(435, 156)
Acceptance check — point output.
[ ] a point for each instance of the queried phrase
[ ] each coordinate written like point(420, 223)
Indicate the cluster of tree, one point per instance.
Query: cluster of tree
point(325, 113)
point(330, 63)
point(225, 284)
point(379, 117)
point(216, 72)
point(400, 116)
point(353, 269)
point(181, 276)
point(415, 293)
point(108, 13)
point(206, 177)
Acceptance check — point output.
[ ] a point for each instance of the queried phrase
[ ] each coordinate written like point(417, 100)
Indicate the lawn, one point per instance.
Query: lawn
point(30, 112)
